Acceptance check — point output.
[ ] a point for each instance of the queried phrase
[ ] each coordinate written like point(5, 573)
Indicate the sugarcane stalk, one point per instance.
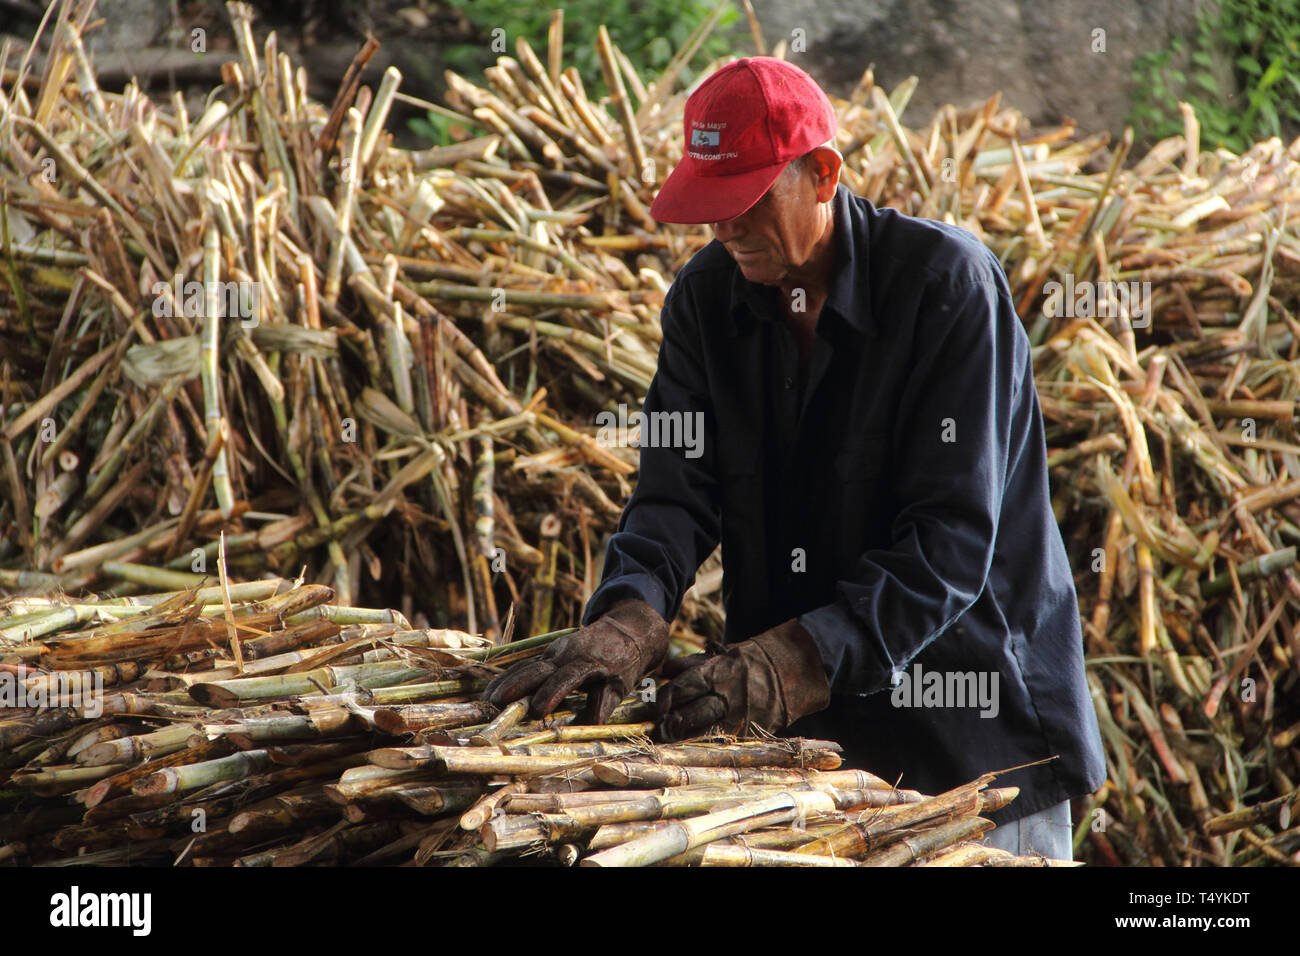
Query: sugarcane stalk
point(619, 100)
point(999, 860)
point(486, 806)
point(786, 838)
point(490, 760)
point(612, 731)
point(74, 745)
point(625, 773)
point(967, 854)
point(339, 614)
point(359, 781)
point(717, 854)
point(912, 849)
point(205, 773)
point(435, 801)
point(334, 721)
point(1248, 816)
point(612, 834)
point(378, 113)
point(501, 724)
point(856, 839)
point(216, 443)
point(684, 835)
point(484, 537)
point(226, 693)
point(213, 418)
point(15, 732)
point(445, 638)
point(1266, 565)
point(517, 647)
point(283, 813)
point(412, 718)
point(435, 690)
point(51, 781)
point(311, 754)
point(350, 171)
point(545, 575)
point(144, 747)
point(151, 576)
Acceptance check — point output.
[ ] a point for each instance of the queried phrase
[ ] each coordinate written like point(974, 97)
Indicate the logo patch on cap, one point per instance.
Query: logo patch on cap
point(706, 142)
point(706, 138)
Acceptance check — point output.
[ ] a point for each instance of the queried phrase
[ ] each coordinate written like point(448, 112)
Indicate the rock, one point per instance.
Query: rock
point(1050, 60)
point(128, 24)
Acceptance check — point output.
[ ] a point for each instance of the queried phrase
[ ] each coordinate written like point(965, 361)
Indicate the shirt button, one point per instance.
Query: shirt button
point(789, 382)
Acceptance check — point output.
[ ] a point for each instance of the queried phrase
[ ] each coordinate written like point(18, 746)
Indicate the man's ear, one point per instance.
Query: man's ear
point(826, 163)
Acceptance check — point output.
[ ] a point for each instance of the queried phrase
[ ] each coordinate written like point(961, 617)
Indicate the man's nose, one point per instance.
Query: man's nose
point(729, 230)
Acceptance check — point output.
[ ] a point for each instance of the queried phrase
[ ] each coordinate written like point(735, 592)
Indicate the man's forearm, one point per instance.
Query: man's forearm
point(645, 587)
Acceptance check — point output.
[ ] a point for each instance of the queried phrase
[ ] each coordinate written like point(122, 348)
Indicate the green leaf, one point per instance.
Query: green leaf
point(1248, 65)
point(1275, 71)
point(1207, 82)
point(1269, 124)
point(660, 50)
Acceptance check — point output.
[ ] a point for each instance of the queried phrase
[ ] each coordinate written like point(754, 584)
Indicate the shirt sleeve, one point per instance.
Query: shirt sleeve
point(949, 466)
point(671, 522)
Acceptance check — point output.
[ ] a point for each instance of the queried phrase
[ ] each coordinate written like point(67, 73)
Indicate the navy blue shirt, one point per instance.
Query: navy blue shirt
point(896, 503)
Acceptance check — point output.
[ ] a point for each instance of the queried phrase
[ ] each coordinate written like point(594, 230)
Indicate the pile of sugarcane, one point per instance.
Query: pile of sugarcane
point(384, 365)
point(411, 414)
point(258, 725)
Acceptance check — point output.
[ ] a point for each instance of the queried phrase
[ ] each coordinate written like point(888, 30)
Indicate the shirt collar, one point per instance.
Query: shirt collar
point(848, 289)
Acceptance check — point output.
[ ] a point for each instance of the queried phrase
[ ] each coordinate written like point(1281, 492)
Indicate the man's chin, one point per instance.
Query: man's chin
point(759, 273)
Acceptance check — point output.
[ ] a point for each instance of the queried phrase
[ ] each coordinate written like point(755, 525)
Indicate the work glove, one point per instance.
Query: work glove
point(768, 682)
point(607, 658)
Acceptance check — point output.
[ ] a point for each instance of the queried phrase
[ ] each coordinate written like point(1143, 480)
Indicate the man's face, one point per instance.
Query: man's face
point(776, 235)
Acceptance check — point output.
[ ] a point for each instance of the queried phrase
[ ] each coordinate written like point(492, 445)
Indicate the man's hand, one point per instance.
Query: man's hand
point(769, 681)
point(607, 658)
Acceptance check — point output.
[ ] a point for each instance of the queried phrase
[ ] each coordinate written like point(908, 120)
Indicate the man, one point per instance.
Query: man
point(874, 465)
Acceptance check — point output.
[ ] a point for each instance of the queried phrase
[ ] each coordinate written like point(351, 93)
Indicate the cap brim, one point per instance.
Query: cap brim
point(685, 198)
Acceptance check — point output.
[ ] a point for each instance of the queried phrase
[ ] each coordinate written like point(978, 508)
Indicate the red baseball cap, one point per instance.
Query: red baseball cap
point(743, 125)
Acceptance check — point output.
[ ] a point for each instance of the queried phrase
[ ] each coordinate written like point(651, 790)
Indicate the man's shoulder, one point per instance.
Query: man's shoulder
point(704, 286)
point(710, 270)
point(926, 250)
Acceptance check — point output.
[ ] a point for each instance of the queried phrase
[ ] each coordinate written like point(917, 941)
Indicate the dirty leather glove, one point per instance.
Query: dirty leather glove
point(606, 658)
point(769, 681)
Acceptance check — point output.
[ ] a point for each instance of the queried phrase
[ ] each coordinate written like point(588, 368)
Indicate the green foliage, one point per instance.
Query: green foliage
point(1262, 37)
point(442, 130)
point(650, 32)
